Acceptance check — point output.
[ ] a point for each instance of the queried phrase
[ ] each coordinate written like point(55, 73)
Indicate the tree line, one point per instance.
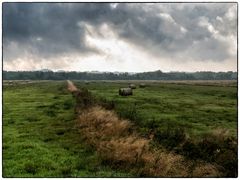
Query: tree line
point(155, 75)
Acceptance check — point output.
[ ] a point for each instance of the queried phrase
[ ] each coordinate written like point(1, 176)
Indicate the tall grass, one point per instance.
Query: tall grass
point(118, 143)
point(217, 146)
point(120, 146)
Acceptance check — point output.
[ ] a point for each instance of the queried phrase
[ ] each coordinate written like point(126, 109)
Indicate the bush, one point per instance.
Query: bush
point(152, 124)
point(109, 105)
point(67, 105)
point(214, 147)
point(170, 137)
point(84, 99)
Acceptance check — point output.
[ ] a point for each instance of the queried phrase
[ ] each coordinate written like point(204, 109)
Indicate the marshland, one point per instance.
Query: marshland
point(120, 89)
point(155, 132)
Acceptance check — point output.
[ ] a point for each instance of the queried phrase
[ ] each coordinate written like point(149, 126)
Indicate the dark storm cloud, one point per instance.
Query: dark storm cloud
point(48, 29)
point(167, 30)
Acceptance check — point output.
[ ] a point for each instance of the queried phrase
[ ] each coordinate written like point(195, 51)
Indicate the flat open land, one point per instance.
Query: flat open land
point(197, 106)
point(39, 134)
point(41, 139)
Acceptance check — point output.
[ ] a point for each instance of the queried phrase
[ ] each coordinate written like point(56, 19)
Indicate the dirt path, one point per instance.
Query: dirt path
point(71, 86)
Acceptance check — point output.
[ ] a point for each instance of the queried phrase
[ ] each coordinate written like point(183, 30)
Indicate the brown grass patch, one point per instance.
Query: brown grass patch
point(206, 170)
point(118, 144)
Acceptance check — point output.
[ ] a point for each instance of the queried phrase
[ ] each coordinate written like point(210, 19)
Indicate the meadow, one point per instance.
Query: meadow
point(39, 134)
point(198, 107)
point(40, 137)
point(196, 119)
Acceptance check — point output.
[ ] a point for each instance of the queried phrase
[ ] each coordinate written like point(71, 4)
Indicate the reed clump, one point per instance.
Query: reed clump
point(120, 146)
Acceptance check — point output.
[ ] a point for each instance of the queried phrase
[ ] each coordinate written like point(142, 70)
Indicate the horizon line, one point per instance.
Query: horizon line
point(96, 71)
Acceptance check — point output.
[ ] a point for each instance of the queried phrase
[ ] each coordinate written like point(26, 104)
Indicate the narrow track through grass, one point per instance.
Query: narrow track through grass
point(40, 138)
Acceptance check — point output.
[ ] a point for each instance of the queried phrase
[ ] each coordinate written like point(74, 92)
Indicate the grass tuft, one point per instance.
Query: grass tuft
point(125, 149)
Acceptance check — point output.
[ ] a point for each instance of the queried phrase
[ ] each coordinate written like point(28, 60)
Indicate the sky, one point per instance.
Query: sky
point(123, 37)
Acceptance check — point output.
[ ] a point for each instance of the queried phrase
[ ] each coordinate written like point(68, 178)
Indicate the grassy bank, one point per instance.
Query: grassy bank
point(198, 121)
point(40, 138)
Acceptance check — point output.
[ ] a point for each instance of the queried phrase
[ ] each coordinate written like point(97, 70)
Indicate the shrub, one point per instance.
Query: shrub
point(67, 105)
point(152, 124)
point(170, 137)
point(109, 105)
point(84, 99)
point(215, 147)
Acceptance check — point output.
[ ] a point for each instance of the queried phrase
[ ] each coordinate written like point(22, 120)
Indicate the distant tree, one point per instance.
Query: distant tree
point(156, 75)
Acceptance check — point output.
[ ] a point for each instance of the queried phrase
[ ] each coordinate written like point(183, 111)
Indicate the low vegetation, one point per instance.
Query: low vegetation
point(162, 130)
point(119, 145)
point(40, 138)
point(180, 117)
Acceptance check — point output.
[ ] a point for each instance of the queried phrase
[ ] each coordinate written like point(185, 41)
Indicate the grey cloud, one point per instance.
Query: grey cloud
point(166, 39)
point(50, 29)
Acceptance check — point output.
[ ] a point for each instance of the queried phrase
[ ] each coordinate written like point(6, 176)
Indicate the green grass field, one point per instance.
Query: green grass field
point(195, 119)
point(196, 108)
point(40, 138)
